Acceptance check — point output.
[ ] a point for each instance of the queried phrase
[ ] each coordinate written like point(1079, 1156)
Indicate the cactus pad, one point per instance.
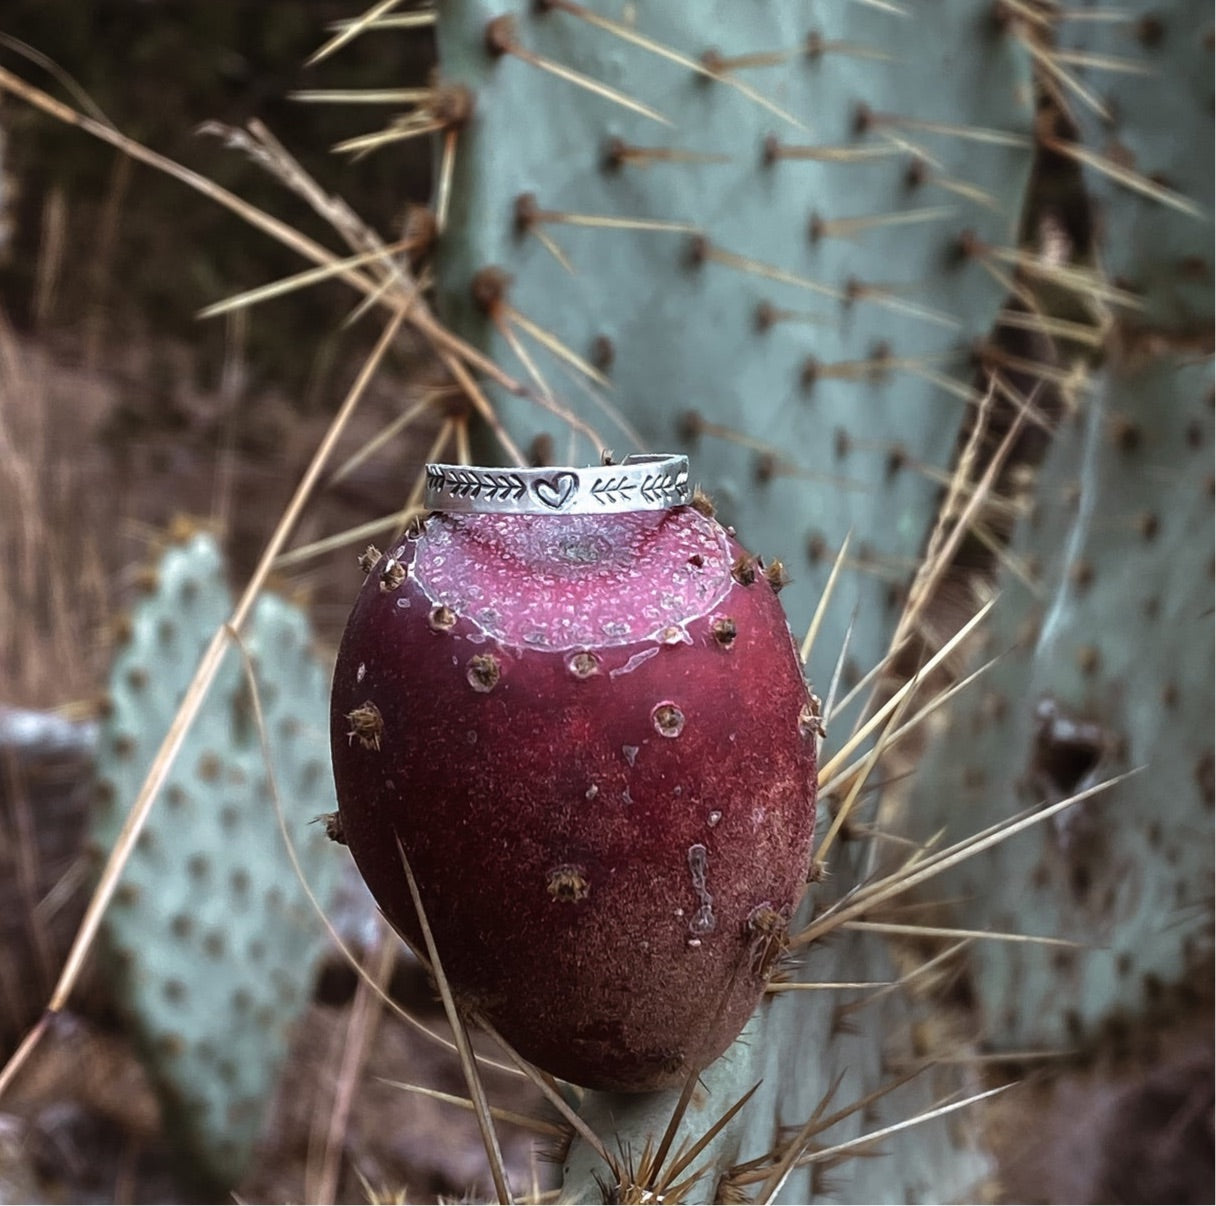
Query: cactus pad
point(1110, 670)
point(211, 939)
point(1151, 71)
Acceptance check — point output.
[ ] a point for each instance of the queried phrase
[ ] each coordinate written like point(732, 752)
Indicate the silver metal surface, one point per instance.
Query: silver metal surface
point(646, 482)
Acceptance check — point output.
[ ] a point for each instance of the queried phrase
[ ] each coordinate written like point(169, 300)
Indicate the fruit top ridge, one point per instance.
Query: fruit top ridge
point(562, 582)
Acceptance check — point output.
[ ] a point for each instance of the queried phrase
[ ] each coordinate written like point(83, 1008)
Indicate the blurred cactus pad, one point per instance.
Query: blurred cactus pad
point(211, 941)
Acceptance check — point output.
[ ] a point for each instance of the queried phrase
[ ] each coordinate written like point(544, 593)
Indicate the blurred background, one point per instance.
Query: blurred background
point(120, 411)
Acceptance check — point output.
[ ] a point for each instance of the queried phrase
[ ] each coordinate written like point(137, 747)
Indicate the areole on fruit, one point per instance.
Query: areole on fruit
point(590, 742)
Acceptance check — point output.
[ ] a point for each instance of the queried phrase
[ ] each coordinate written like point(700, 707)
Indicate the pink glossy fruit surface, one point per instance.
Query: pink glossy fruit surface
point(592, 737)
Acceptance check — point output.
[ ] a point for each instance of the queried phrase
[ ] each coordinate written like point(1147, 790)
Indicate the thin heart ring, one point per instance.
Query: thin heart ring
point(645, 482)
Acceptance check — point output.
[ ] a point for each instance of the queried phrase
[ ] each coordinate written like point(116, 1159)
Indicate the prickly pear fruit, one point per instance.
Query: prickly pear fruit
point(593, 740)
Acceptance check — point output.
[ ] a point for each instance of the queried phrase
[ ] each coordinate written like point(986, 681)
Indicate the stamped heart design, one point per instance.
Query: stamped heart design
point(555, 491)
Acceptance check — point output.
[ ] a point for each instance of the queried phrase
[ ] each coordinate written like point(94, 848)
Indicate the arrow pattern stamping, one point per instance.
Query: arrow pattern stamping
point(610, 490)
point(475, 483)
point(660, 487)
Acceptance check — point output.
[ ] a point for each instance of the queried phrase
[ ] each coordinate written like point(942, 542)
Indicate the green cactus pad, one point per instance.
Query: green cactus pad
point(818, 387)
point(211, 941)
point(1153, 77)
point(1109, 669)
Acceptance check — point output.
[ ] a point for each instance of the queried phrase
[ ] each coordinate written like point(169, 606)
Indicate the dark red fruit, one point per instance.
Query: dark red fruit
point(592, 737)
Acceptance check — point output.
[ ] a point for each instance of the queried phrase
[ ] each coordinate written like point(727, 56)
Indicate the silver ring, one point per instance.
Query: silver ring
point(646, 482)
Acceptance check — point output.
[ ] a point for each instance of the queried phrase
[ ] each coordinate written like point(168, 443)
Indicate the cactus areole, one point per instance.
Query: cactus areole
point(591, 736)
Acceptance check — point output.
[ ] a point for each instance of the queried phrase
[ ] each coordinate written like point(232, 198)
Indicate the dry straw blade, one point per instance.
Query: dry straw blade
point(468, 1063)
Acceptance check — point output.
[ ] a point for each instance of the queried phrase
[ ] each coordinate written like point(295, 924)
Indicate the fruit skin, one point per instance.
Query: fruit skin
point(597, 780)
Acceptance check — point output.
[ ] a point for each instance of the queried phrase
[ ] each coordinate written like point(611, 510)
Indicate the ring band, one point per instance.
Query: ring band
point(646, 482)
